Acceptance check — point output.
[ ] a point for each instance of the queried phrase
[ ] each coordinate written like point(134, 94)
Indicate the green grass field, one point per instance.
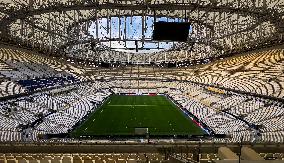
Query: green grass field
point(121, 114)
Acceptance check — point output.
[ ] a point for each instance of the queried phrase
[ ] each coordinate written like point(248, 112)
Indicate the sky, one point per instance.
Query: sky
point(133, 28)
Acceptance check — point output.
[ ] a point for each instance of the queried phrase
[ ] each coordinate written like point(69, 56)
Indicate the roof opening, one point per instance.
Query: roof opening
point(126, 32)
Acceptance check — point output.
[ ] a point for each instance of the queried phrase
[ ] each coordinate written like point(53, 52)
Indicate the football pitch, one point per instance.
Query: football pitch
point(121, 114)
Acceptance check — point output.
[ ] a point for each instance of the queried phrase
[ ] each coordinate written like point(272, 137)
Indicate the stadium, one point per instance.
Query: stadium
point(87, 81)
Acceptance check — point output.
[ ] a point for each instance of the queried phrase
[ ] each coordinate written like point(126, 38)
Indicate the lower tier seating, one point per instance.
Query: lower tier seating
point(56, 111)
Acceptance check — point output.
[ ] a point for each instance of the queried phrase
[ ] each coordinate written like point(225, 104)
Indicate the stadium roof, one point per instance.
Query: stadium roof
point(102, 30)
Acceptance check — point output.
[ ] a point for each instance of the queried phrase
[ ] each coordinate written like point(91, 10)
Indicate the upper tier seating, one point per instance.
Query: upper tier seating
point(24, 71)
point(10, 88)
point(258, 72)
point(39, 83)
